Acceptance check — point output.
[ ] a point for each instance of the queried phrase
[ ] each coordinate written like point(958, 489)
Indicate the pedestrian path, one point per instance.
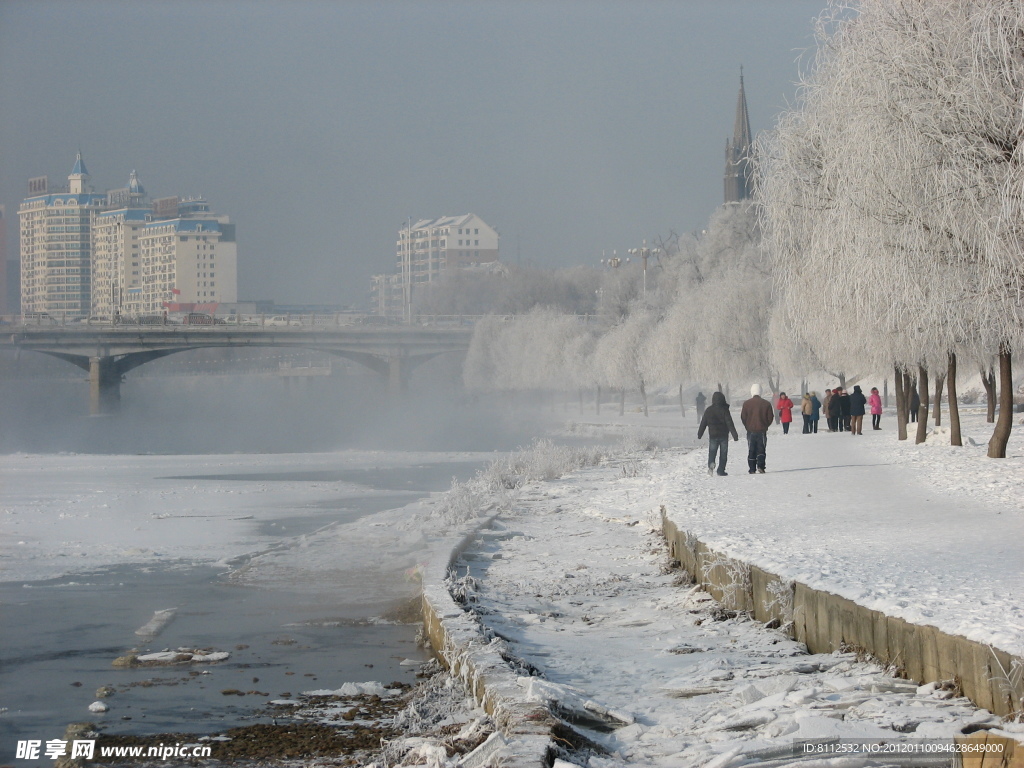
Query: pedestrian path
point(893, 527)
point(574, 588)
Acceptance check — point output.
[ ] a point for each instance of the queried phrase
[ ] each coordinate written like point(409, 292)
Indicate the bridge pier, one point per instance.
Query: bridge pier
point(104, 386)
point(398, 374)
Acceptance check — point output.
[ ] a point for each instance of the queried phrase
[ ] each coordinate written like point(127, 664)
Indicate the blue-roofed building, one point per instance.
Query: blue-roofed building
point(56, 245)
point(192, 259)
point(116, 256)
point(85, 253)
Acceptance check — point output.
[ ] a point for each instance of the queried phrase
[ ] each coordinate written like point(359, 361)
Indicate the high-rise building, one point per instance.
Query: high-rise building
point(56, 244)
point(738, 150)
point(116, 266)
point(4, 308)
point(425, 251)
point(85, 253)
point(190, 259)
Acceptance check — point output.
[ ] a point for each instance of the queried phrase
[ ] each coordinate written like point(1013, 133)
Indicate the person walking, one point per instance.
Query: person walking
point(857, 403)
point(835, 420)
point(700, 402)
point(915, 404)
point(757, 415)
point(875, 401)
point(785, 406)
point(844, 409)
point(718, 422)
point(805, 410)
point(825, 407)
point(815, 412)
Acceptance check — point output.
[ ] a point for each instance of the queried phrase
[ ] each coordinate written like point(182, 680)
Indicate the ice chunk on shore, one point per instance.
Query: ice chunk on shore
point(158, 623)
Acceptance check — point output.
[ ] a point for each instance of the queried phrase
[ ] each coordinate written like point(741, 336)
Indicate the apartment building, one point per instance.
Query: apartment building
point(426, 250)
point(85, 253)
point(192, 259)
point(56, 244)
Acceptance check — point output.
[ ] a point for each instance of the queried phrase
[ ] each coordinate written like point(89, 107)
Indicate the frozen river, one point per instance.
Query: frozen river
point(286, 561)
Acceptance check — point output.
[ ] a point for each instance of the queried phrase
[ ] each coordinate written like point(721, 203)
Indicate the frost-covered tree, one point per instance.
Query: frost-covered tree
point(892, 196)
point(542, 350)
point(618, 355)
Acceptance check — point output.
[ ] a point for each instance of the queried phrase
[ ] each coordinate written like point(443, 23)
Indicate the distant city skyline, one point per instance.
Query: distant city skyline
point(572, 127)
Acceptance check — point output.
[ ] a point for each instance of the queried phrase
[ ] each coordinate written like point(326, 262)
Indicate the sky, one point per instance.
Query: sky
point(573, 127)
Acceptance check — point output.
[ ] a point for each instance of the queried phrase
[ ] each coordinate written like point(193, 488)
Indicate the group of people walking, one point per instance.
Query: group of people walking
point(844, 412)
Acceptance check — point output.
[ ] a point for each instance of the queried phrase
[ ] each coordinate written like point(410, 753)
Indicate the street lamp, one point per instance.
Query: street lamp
point(644, 253)
point(614, 261)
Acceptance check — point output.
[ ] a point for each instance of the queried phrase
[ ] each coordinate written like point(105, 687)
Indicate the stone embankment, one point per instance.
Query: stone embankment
point(826, 622)
point(525, 728)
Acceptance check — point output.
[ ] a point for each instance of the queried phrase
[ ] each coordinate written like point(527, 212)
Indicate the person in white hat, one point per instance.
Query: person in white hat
point(757, 415)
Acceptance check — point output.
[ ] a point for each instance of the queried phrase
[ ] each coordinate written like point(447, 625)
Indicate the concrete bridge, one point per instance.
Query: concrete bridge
point(110, 351)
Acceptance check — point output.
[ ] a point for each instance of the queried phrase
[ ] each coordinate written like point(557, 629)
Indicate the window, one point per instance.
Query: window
point(476, 231)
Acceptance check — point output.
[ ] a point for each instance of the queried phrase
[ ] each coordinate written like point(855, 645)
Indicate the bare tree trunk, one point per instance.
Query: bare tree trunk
point(622, 401)
point(954, 404)
point(908, 392)
point(842, 380)
point(1001, 434)
point(643, 394)
point(885, 393)
point(922, 411)
point(581, 401)
point(940, 379)
point(988, 380)
point(901, 405)
point(682, 408)
point(597, 402)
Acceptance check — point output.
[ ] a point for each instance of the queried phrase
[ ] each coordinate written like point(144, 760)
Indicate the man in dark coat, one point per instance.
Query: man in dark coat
point(757, 415)
point(844, 409)
point(700, 402)
point(718, 422)
point(835, 411)
point(857, 403)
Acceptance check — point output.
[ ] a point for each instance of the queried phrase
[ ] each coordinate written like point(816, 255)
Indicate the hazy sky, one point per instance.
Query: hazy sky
point(571, 126)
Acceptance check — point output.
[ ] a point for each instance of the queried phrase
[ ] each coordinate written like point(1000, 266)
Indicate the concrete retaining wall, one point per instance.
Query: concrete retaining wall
point(825, 622)
point(456, 637)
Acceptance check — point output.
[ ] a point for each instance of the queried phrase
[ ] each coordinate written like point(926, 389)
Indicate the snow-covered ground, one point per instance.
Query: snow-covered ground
point(62, 514)
point(930, 533)
point(573, 580)
point(579, 590)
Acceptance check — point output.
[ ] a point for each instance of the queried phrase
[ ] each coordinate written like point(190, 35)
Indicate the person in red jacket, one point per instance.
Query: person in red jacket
point(876, 408)
point(785, 406)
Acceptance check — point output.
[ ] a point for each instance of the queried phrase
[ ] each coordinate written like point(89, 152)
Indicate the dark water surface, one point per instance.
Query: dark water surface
point(58, 638)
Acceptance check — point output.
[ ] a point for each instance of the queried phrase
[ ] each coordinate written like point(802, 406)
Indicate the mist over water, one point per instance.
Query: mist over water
point(225, 401)
point(288, 620)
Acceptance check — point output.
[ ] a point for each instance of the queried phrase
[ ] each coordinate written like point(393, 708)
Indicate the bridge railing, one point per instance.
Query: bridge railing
point(308, 321)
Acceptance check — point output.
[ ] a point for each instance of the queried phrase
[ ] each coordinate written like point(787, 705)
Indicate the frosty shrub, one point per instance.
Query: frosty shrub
point(434, 707)
point(782, 599)
point(639, 441)
point(736, 585)
point(497, 486)
point(1010, 681)
point(970, 396)
point(462, 502)
point(544, 460)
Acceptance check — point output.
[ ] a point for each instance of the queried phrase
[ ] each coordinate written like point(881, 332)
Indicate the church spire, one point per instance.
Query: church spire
point(737, 152)
point(741, 128)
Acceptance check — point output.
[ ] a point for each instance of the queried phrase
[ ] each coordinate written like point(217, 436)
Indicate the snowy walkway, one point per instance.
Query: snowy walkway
point(576, 584)
point(929, 533)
